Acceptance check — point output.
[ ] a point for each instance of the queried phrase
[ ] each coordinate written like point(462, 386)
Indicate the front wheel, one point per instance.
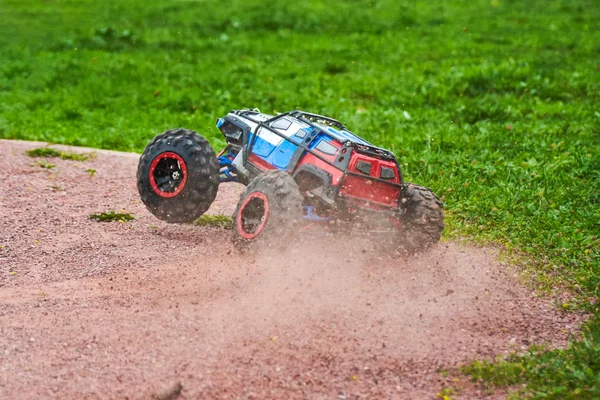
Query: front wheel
point(422, 220)
point(178, 176)
point(269, 210)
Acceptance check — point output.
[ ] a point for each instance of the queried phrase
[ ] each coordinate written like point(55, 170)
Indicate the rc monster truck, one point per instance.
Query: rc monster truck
point(299, 169)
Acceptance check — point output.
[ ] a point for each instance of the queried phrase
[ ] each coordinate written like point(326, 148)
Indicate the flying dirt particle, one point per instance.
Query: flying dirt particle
point(171, 393)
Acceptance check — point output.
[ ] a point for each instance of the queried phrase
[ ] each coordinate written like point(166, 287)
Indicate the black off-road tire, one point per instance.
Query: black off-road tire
point(422, 218)
point(269, 211)
point(187, 156)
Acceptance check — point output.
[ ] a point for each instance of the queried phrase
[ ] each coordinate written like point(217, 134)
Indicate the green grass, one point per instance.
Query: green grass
point(45, 164)
point(50, 152)
point(111, 215)
point(501, 97)
point(73, 156)
point(570, 373)
point(217, 221)
point(43, 152)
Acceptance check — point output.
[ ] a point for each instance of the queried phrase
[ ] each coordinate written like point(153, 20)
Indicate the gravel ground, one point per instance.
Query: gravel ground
point(92, 310)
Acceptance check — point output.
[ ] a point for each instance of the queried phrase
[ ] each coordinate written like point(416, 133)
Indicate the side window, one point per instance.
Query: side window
point(326, 148)
point(301, 133)
point(387, 173)
point(282, 124)
point(364, 167)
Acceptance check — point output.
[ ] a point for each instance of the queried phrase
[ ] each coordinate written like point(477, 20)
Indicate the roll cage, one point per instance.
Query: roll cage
point(340, 163)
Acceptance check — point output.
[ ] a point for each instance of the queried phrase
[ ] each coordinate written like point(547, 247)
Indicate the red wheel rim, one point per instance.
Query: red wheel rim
point(168, 174)
point(252, 215)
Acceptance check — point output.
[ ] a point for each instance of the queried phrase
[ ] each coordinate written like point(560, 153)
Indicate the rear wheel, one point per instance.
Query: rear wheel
point(178, 176)
point(269, 210)
point(422, 218)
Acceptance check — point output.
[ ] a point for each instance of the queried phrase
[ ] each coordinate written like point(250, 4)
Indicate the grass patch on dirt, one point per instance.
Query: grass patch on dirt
point(111, 215)
point(73, 156)
point(492, 104)
point(50, 152)
point(216, 221)
point(45, 164)
point(43, 152)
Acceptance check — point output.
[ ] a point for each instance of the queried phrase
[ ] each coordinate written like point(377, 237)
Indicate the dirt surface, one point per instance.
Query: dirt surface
point(127, 310)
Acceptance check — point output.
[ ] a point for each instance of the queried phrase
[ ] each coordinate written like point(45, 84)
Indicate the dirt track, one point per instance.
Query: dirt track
point(123, 310)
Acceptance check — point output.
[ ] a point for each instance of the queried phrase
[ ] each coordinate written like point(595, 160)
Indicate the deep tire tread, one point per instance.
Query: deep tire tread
point(423, 217)
point(202, 182)
point(285, 204)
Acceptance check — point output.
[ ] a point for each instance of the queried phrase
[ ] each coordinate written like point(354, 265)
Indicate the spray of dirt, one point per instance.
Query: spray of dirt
point(344, 319)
